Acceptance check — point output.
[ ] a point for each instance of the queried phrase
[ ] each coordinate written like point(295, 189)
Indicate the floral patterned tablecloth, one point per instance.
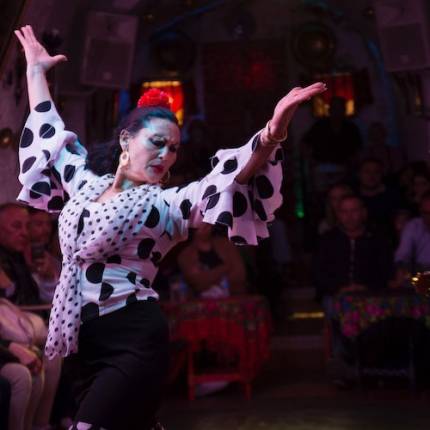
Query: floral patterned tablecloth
point(243, 323)
point(357, 312)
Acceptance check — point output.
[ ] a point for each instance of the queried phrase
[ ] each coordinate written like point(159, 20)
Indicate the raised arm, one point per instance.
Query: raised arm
point(275, 131)
point(38, 63)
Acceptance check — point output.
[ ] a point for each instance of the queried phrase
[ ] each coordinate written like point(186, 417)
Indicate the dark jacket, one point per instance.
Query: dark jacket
point(340, 261)
point(26, 289)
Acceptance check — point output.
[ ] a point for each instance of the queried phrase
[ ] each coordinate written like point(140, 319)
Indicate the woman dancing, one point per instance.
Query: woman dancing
point(116, 224)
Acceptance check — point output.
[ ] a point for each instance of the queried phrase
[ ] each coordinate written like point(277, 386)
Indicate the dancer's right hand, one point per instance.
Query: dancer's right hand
point(36, 55)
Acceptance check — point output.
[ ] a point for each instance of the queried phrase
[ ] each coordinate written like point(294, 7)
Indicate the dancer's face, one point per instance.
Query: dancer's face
point(152, 150)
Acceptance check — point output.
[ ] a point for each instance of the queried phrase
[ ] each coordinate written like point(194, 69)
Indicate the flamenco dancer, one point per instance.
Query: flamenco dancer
point(117, 222)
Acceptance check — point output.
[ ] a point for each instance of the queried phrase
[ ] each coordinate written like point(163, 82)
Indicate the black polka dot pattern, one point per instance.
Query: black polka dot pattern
point(132, 277)
point(145, 247)
point(85, 214)
point(225, 218)
point(56, 203)
point(212, 201)
point(185, 208)
point(255, 143)
point(26, 138)
point(145, 282)
point(240, 204)
point(28, 164)
point(153, 218)
point(209, 191)
point(230, 166)
point(106, 291)
point(69, 172)
point(264, 187)
point(43, 107)
point(259, 208)
point(131, 299)
point(46, 131)
point(41, 188)
point(72, 149)
point(214, 162)
point(94, 273)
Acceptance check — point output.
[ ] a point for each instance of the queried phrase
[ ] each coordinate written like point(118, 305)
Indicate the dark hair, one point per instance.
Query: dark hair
point(371, 160)
point(103, 157)
point(353, 197)
point(12, 205)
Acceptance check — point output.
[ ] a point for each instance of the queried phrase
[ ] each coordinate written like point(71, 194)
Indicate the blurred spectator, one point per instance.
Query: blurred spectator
point(334, 144)
point(419, 186)
point(377, 148)
point(212, 266)
point(400, 219)
point(22, 368)
point(45, 267)
point(413, 252)
point(350, 258)
point(381, 201)
point(334, 196)
point(33, 378)
point(14, 241)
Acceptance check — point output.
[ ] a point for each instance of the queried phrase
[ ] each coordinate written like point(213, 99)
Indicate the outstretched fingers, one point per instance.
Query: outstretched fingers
point(21, 38)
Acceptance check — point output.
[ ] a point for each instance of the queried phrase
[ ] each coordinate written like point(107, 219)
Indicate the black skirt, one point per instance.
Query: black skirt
point(124, 358)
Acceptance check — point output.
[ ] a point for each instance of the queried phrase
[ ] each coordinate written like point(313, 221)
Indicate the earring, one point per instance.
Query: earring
point(124, 159)
point(166, 178)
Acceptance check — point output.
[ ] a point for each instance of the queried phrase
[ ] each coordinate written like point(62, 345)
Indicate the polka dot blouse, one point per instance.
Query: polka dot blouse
point(111, 250)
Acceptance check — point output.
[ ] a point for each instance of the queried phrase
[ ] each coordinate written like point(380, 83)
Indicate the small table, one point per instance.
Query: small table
point(356, 312)
point(243, 323)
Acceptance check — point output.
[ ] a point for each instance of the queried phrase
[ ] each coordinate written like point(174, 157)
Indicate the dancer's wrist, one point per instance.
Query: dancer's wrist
point(35, 70)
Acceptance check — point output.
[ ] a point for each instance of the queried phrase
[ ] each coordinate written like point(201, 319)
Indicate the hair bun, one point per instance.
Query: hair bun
point(154, 97)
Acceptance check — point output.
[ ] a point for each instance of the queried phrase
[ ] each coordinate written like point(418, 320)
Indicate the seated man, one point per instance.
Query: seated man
point(15, 257)
point(212, 266)
point(349, 259)
point(413, 252)
point(381, 201)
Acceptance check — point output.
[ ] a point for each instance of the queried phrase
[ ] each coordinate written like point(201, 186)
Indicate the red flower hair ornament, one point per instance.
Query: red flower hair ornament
point(154, 97)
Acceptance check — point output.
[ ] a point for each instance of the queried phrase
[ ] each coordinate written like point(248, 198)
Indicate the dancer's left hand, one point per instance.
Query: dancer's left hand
point(288, 105)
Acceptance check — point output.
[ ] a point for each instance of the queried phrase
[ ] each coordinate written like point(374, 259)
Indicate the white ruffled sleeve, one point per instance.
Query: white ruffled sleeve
point(218, 199)
point(52, 161)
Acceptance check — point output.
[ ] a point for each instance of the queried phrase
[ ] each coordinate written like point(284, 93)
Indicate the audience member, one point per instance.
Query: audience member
point(22, 368)
point(211, 265)
point(420, 185)
point(349, 259)
point(14, 240)
point(33, 378)
point(18, 285)
point(381, 201)
point(334, 144)
point(334, 196)
point(378, 148)
point(413, 252)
